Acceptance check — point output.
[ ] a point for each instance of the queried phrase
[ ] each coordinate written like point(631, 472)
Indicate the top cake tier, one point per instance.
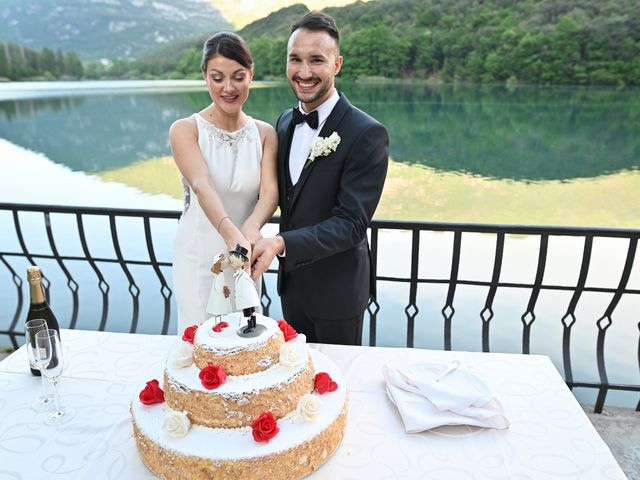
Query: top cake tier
point(237, 355)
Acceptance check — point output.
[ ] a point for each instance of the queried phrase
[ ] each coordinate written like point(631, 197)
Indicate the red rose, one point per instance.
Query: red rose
point(287, 330)
point(212, 376)
point(189, 333)
point(220, 326)
point(152, 393)
point(264, 427)
point(324, 384)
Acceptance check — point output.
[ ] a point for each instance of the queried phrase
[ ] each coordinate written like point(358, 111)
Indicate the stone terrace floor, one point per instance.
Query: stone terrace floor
point(620, 429)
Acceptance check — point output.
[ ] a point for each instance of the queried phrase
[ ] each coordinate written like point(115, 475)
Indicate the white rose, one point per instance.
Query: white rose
point(176, 424)
point(293, 355)
point(309, 407)
point(182, 356)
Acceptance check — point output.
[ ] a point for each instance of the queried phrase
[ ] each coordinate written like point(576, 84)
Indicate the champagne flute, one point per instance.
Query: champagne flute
point(32, 327)
point(49, 358)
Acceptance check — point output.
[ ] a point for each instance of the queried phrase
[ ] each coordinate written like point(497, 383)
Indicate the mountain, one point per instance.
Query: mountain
point(276, 24)
point(106, 28)
point(243, 12)
point(167, 57)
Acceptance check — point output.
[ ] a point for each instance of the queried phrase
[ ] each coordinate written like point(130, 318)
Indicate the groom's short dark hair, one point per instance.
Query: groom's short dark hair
point(317, 22)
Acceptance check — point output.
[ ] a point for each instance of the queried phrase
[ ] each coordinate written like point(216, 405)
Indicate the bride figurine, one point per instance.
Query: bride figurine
point(246, 293)
point(219, 299)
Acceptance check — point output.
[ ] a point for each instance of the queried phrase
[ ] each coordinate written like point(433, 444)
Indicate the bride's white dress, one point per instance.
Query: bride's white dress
point(233, 161)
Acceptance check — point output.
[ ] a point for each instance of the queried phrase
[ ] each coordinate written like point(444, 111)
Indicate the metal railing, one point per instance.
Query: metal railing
point(12, 326)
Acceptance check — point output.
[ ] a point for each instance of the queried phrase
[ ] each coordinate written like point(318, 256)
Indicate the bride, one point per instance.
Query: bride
point(228, 164)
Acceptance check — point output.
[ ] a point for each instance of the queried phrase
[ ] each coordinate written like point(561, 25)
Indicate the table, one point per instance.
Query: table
point(550, 436)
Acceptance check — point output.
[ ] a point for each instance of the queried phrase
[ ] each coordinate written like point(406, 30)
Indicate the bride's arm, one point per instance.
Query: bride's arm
point(268, 199)
point(183, 135)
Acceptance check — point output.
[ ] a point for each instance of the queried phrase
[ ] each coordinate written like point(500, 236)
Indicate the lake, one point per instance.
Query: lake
point(535, 155)
point(528, 155)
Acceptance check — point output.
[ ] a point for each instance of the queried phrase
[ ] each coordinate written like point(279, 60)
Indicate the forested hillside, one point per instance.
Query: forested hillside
point(17, 62)
point(573, 42)
point(527, 41)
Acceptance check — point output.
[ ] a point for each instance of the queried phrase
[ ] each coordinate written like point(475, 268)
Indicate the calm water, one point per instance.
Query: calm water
point(530, 133)
point(526, 135)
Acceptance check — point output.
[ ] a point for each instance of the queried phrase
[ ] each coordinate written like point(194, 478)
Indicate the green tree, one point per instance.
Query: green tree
point(73, 65)
point(531, 59)
point(375, 51)
point(261, 51)
point(5, 70)
point(269, 56)
point(566, 61)
point(118, 69)
point(59, 69)
point(429, 18)
point(189, 64)
point(429, 57)
point(93, 69)
point(47, 61)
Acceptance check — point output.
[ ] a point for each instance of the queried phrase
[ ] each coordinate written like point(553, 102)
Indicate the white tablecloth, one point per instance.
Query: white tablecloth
point(550, 436)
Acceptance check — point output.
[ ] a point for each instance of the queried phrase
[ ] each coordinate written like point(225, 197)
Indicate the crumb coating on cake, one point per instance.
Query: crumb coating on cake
point(241, 362)
point(290, 464)
point(237, 406)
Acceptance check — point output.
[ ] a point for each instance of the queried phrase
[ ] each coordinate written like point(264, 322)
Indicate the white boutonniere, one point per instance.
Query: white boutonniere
point(323, 146)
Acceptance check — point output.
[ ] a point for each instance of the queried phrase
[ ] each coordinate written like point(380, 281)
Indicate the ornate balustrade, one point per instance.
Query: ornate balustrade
point(58, 225)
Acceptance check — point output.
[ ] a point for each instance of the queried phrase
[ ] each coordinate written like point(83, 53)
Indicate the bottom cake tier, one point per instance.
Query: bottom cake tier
point(299, 448)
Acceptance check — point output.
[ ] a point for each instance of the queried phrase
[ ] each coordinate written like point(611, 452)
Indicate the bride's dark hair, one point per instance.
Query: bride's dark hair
point(229, 45)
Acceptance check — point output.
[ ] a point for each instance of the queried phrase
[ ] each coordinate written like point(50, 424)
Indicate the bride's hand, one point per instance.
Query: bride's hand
point(243, 242)
point(251, 233)
point(232, 237)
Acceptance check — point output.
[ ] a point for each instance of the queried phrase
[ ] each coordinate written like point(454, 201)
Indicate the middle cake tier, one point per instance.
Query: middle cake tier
point(241, 398)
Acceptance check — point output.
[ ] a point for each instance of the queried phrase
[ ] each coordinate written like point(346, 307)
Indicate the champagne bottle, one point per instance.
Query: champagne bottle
point(39, 308)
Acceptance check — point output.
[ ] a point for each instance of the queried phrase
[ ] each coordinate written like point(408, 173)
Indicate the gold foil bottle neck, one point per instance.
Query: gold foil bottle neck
point(34, 276)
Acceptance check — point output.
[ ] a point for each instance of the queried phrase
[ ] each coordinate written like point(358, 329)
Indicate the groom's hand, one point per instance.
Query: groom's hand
point(263, 254)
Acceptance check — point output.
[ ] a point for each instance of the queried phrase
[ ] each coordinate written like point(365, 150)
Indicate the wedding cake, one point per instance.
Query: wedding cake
point(233, 407)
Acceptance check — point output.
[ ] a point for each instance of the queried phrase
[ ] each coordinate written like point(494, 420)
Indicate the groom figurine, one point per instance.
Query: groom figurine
point(332, 163)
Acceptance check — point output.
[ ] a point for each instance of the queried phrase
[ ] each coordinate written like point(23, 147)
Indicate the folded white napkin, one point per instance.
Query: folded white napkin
point(426, 401)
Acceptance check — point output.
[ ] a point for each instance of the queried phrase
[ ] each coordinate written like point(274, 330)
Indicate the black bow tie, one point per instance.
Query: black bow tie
point(310, 118)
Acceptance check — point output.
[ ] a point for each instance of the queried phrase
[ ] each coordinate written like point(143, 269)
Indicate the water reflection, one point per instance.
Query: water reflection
point(527, 133)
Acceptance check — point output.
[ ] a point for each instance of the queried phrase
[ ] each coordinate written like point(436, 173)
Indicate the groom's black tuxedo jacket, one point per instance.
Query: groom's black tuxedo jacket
point(324, 218)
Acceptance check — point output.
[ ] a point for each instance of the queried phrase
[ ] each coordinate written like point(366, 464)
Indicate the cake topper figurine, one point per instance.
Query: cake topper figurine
point(219, 299)
point(246, 293)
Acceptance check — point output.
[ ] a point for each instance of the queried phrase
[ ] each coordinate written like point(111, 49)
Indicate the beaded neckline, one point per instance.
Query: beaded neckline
point(222, 131)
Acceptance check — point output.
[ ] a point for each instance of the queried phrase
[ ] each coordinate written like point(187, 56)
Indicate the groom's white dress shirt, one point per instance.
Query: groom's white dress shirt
point(304, 135)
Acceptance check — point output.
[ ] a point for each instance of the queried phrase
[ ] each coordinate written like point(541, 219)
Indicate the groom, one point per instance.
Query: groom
point(328, 193)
